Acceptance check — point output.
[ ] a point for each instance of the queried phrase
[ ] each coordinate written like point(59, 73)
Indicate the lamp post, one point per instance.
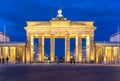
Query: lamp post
point(18, 59)
point(37, 58)
point(103, 56)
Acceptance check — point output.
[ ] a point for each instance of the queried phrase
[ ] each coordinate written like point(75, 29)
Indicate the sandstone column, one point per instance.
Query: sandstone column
point(78, 49)
point(23, 55)
point(97, 54)
point(0, 53)
point(92, 48)
point(88, 51)
point(111, 56)
point(52, 48)
point(119, 53)
point(104, 54)
point(30, 48)
point(41, 49)
point(67, 48)
point(12, 54)
point(17, 54)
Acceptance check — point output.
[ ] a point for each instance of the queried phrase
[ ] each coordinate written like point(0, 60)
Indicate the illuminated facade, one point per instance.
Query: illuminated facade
point(60, 27)
point(15, 51)
point(107, 52)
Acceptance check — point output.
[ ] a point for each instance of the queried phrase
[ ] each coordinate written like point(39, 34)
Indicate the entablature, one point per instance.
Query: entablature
point(60, 32)
point(60, 28)
point(107, 44)
point(12, 44)
point(59, 23)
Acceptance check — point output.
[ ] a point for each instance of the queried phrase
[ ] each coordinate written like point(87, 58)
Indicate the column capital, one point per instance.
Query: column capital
point(67, 36)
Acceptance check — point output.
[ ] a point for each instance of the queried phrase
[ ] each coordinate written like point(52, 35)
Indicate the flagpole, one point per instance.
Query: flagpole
point(3, 41)
point(4, 35)
point(118, 44)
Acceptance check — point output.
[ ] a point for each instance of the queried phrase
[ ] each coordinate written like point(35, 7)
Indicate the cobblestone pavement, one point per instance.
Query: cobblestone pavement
point(62, 72)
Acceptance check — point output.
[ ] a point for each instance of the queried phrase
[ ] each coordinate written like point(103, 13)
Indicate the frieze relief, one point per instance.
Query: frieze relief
point(59, 32)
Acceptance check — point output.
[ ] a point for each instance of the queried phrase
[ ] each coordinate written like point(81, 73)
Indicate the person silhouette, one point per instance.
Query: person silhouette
point(7, 59)
point(58, 61)
point(71, 60)
point(3, 61)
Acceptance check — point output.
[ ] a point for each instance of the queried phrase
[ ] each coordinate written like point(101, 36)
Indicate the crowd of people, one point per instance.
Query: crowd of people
point(58, 61)
point(7, 61)
point(72, 60)
point(4, 60)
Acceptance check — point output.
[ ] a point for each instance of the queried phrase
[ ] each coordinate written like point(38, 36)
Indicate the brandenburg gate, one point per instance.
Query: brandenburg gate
point(60, 27)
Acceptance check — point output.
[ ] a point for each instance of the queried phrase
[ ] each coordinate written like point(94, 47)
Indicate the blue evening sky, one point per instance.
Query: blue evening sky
point(15, 13)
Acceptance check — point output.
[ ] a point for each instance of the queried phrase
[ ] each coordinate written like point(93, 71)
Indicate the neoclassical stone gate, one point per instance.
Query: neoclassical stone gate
point(60, 27)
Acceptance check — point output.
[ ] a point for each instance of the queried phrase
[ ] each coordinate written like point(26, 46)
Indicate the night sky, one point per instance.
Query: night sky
point(15, 13)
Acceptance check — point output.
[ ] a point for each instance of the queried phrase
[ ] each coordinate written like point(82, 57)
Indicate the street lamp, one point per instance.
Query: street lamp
point(18, 59)
point(103, 59)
